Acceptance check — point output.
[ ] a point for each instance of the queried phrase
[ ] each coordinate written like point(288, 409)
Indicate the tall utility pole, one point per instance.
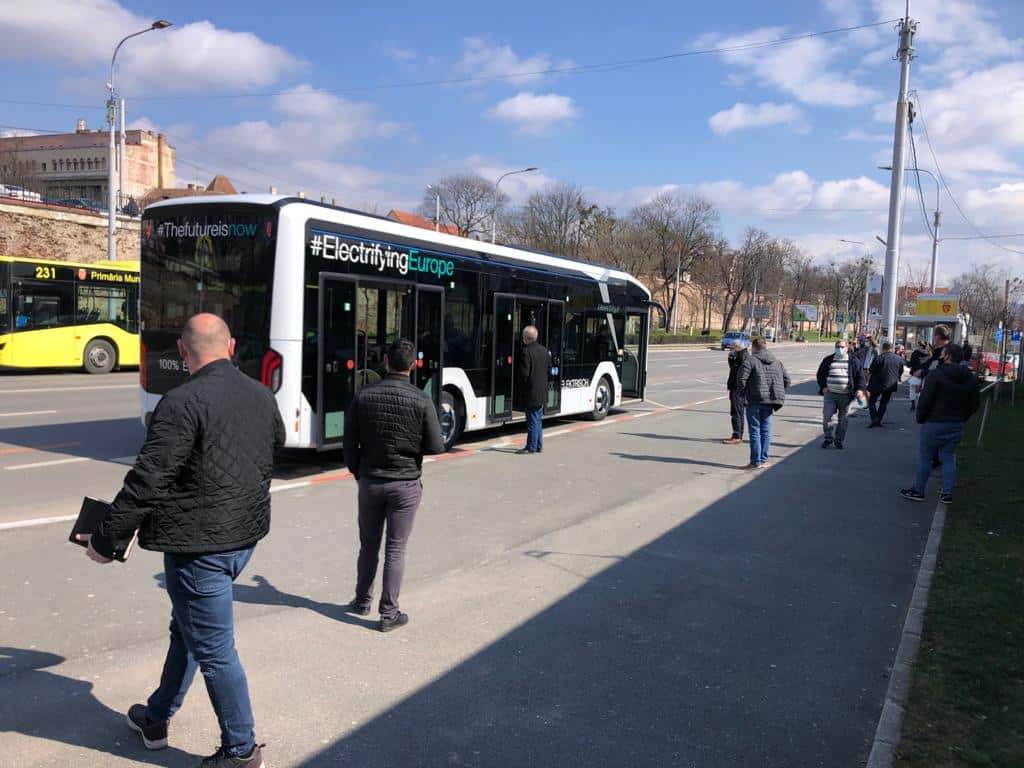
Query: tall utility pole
point(675, 301)
point(899, 150)
point(120, 163)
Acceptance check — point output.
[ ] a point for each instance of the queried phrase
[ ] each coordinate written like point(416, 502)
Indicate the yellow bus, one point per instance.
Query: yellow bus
point(59, 314)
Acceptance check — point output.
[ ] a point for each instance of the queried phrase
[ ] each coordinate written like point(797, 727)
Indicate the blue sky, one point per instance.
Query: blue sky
point(786, 138)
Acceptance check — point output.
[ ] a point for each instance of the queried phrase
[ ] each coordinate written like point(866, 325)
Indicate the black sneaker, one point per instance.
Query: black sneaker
point(911, 494)
point(222, 759)
point(827, 444)
point(358, 608)
point(839, 445)
point(913, 406)
point(946, 498)
point(387, 625)
point(154, 734)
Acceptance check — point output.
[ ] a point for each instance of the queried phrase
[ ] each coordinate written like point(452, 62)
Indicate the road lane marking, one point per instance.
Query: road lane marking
point(680, 365)
point(65, 389)
point(26, 413)
point(36, 521)
point(53, 463)
point(128, 460)
point(27, 449)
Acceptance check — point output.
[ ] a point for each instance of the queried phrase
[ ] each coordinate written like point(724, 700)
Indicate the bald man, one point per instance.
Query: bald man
point(200, 493)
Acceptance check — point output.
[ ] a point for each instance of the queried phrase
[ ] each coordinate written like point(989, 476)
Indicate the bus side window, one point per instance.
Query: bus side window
point(45, 305)
point(573, 339)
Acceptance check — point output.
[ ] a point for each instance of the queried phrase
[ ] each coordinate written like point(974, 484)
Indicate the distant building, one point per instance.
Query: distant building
point(415, 220)
point(219, 185)
point(74, 165)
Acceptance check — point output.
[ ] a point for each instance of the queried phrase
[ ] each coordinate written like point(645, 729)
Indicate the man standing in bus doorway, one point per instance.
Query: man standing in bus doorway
point(388, 428)
point(200, 493)
point(534, 366)
point(737, 398)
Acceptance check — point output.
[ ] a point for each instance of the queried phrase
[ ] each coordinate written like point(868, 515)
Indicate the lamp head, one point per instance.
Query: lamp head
point(162, 24)
point(531, 168)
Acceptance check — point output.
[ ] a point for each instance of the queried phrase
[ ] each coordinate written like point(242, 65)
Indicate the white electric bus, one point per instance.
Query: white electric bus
point(313, 295)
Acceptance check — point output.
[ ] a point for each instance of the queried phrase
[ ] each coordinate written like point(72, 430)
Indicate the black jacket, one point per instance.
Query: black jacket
point(886, 372)
point(763, 378)
point(855, 372)
point(736, 359)
point(201, 482)
point(917, 360)
point(534, 366)
point(950, 394)
point(388, 428)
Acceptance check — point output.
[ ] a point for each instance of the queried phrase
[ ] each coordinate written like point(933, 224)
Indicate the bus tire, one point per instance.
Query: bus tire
point(603, 397)
point(452, 418)
point(99, 357)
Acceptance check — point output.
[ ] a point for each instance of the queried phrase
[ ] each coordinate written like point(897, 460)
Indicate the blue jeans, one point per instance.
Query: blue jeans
point(534, 431)
point(759, 425)
point(203, 637)
point(938, 438)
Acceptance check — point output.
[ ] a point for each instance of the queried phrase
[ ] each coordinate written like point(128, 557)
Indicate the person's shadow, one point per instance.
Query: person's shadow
point(45, 705)
point(265, 593)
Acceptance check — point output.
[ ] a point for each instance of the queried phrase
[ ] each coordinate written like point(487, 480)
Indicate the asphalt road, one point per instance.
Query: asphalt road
point(630, 597)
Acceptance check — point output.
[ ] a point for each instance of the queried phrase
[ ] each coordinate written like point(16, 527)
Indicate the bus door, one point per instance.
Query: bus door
point(503, 352)
point(556, 325)
point(430, 341)
point(384, 313)
point(634, 361)
point(336, 355)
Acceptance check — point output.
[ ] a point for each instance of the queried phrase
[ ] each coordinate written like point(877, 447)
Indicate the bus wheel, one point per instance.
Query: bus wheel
point(99, 356)
point(602, 399)
point(452, 418)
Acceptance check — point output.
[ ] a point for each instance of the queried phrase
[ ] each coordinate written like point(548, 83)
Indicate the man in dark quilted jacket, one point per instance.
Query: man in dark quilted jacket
point(200, 493)
point(388, 428)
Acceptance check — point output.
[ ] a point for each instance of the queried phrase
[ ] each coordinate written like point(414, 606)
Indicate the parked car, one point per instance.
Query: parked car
point(988, 364)
point(18, 193)
point(79, 202)
point(741, 336)
point(768, 334)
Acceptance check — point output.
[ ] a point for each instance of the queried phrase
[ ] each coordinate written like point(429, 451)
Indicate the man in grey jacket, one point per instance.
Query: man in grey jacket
point(764, 379)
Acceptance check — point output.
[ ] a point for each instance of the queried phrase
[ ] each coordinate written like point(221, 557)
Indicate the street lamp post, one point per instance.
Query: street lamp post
point(935, 227)
point(112, 150)
point(494, 207)
point(437, 206)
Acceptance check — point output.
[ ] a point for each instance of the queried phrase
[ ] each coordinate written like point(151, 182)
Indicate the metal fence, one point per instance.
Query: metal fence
point(990, 395)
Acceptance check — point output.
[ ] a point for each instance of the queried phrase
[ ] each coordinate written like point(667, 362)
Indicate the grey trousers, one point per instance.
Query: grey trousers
point(835, 405)
point(390, 503)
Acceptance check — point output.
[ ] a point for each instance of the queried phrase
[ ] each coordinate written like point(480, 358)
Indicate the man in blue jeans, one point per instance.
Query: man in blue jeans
point(763, 380)
point(200, 493)
point(949, 398)
point(534, 366)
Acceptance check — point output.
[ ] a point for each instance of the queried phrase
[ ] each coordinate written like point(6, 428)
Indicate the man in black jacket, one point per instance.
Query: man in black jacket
point(388, 428)
point(534, 365)
point(200, 493)
point(737, 398)
point(949, 398)
point(763, 379)
point(886, 373)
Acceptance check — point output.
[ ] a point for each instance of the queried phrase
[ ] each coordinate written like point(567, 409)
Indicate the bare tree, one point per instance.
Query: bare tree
point(557, 219)
point(982, 298)
point(467, 203)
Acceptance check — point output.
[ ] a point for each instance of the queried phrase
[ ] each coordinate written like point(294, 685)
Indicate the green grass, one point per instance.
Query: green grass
point(966, 707)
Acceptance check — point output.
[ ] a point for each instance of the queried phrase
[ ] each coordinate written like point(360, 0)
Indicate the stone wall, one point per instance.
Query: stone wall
point(45, 232)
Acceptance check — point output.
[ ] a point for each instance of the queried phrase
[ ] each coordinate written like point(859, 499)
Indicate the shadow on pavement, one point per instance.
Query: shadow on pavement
point(45, 705)
point(758, 632)
point(100, 440)
point(265, 593)
point(718, 440)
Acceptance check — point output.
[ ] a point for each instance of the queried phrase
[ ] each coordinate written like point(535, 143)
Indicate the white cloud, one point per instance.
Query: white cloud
point(399, 53)
point(15, 132)
point(192, 57)
point(517, 186)
point(741, 116)
point(802, 68)
point(142, 124)
point(484, 59)
point(999, 209)
point(859, 134)
point(860, 194)
point(535, 113)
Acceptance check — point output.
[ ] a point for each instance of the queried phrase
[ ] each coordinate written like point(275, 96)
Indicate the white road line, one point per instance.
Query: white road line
point(558, 432)
point(25, 413)
point(129, 460)
point(290, 486)
point(36, 521)
point(53, 463)
point(641, 415)
point(65, 389)
point(680, 365)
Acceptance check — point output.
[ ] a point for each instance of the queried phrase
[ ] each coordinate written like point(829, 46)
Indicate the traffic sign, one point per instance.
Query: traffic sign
point(999, 334)
point(840, 318)
point(1015, 335)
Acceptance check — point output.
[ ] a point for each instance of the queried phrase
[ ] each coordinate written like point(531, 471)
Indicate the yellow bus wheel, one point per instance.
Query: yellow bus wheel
point(99, 356)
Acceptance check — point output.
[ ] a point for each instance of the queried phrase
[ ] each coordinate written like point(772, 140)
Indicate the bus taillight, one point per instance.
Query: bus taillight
point(270, 373)
point(143, 373)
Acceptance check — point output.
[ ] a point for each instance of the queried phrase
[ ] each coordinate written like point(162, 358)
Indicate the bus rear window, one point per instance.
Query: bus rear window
point(218, 260)
point(5, 297)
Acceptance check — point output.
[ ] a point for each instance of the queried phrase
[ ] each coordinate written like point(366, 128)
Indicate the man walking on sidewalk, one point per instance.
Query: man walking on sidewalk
point(388, 428)
point(764, 380)
point(949, 398)
point(840, 381)
point(737, 399)
point(886, 373)
point(200, 493)
point(534, 366)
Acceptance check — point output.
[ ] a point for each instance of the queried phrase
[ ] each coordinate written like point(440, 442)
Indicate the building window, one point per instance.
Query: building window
point(44, 167)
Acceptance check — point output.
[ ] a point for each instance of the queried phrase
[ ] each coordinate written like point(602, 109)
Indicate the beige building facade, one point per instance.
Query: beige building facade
point(74, 165)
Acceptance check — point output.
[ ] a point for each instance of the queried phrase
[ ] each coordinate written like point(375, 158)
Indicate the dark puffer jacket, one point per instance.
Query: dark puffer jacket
point(201, 482)
point(388, 428)
point(950, 394)
point(534, 366)
point(764, 379)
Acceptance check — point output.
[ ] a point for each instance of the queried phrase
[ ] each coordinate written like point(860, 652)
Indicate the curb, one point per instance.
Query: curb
point(890, 724)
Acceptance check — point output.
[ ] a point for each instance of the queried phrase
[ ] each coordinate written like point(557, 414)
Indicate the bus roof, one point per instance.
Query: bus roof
point(340, 215)
point(128, 266)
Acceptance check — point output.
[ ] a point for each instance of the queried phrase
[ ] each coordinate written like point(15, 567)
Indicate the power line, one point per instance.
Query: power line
point(949, 193)
point(920, 192)
point(980, 237)
point(566, 70)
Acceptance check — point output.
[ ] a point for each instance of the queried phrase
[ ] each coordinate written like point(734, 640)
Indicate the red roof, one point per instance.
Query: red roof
point(415, 220)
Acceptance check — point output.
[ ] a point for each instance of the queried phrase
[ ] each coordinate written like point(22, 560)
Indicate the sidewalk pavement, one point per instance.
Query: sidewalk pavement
point(630, 597)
